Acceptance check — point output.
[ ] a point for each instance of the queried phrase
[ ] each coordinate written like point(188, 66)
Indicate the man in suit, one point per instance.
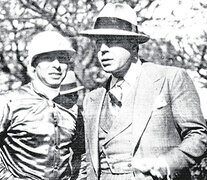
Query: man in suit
point(146, 122)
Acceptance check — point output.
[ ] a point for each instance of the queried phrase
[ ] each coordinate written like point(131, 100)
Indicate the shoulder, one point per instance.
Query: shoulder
point(94, 93)
point(15, 94)
point(177, 79)
point(168, 72)
point(161, 68)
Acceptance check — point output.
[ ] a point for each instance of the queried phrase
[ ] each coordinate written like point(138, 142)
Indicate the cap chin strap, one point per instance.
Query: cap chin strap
point(43, 89)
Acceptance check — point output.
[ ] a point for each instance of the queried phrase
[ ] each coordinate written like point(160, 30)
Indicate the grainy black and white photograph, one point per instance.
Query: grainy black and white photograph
point(103, 90)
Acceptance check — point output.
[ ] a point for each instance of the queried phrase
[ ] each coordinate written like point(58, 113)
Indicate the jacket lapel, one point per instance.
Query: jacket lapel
point(93, 126)
point(124, 118)
point(149, 86)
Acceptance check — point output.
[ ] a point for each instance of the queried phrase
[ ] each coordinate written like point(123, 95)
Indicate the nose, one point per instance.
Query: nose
point(104, 49)
point(56, 63)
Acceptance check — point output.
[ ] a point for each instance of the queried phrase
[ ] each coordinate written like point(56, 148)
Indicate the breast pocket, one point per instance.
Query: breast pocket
point(162, 111)
point(161, 106)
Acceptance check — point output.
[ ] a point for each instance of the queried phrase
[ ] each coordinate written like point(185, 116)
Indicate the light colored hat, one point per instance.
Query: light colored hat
point(48, 41)
point(116, 19)
point(69, 84)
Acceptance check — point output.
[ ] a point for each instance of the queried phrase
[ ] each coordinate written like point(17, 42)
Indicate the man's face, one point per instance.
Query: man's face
point(114, 53)
point(51, 68)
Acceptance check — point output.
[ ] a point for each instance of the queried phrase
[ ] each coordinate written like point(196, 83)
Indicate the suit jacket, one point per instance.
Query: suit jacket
point(166, 120)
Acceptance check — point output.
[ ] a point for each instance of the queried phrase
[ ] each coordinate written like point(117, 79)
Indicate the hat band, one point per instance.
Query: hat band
point(66, 87)
point(114, 23)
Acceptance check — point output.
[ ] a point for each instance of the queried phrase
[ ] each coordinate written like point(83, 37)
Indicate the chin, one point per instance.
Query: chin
point(108, 69)
point(55, 84)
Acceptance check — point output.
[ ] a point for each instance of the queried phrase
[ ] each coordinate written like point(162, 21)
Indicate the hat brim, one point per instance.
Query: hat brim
point(71, 90)
point(70, 52)
point(142, 38)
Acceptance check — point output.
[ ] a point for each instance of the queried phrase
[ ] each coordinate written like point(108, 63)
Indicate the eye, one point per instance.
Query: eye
point(99, 41)
point(44, 57)
point(63, 59)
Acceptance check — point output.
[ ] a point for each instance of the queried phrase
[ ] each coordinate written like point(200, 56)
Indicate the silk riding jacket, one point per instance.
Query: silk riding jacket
point(36, 135)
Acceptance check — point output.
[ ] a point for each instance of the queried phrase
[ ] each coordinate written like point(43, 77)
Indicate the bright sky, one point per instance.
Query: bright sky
point(185, 18)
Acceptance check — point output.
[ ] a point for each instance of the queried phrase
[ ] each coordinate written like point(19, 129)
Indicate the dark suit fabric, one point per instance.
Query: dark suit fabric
point(165, 116)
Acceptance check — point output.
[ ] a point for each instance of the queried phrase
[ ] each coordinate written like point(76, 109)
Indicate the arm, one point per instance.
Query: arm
point(4, 124)
point(190, 124)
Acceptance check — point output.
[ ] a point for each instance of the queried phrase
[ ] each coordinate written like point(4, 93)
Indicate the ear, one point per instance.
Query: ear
point(134, 50)
point(135, 47)
point(31, 71)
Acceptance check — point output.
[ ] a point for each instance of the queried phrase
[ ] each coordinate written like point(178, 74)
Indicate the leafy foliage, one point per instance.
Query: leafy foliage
point(21, 19)
point(178, 37)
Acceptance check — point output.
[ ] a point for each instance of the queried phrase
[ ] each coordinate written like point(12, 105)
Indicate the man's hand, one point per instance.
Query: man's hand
point(156, 167)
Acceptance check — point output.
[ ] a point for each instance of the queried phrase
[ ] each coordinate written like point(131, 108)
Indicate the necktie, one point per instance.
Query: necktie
point(116, 93)
point(111, 106)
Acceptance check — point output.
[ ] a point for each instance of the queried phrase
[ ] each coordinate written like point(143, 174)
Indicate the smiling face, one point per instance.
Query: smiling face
point(51, 68)
point(114, 53)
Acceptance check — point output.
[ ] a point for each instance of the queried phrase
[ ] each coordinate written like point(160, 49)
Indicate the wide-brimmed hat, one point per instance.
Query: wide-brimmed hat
point(69, 84)
point(116, 19)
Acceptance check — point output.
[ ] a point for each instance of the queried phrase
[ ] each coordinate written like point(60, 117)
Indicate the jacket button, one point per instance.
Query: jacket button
point(129, 165)
point(55, 121)
point(112, 166)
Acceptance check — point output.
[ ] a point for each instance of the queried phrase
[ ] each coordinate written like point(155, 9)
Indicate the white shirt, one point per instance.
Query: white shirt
point(129, 79)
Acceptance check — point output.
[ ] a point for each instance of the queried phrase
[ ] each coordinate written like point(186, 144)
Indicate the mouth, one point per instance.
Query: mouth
point(55, 75)
point(106, 62)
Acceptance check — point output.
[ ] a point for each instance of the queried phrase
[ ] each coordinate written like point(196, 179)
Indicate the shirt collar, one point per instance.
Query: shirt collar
point(131, 75)
point(48, 92)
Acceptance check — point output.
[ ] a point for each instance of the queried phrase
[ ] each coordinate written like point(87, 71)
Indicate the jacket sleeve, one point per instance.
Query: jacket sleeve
point(190, 123)
point(4, 124)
